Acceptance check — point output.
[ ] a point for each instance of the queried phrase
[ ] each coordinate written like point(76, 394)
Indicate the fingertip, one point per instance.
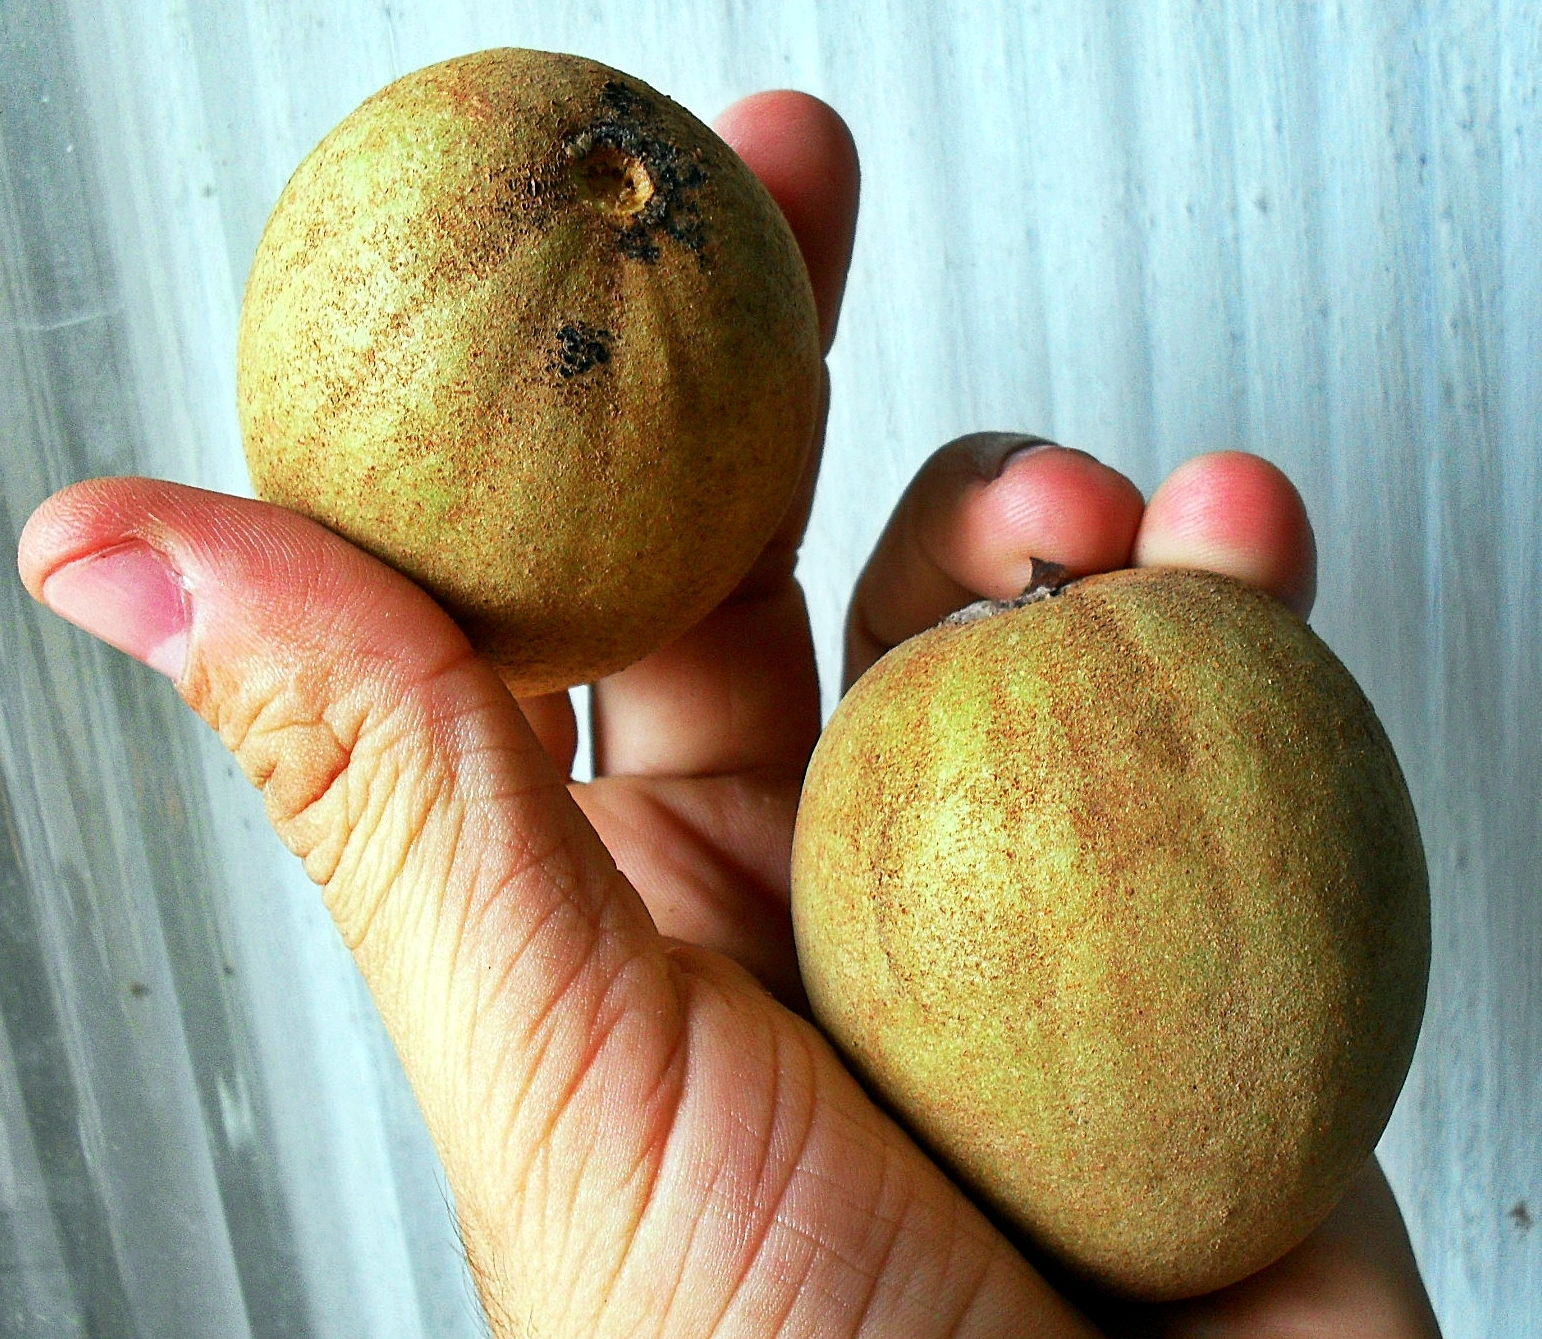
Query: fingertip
point(1081, 513)
point(1048, 502)
point(1234, 513)
point(256, 581)
point(805, 154)
point(973, 520)
point(64, 527)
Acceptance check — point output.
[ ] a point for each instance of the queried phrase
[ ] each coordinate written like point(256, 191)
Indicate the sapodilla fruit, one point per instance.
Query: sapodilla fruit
point(1117, 900)
point(531, 333)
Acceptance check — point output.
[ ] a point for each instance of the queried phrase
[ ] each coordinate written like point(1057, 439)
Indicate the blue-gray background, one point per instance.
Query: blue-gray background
point(1311, 230)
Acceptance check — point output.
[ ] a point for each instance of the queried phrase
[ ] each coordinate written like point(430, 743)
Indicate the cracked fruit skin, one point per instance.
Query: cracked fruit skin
point(1118, 902)
point(532, 334)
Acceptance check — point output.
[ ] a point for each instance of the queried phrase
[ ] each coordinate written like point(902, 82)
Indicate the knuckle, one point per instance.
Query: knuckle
point(349, 776)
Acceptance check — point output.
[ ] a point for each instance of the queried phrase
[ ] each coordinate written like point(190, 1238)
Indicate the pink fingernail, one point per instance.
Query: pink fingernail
point(132, 598)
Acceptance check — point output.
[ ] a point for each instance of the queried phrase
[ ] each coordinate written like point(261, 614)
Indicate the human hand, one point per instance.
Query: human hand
point(641, 1134)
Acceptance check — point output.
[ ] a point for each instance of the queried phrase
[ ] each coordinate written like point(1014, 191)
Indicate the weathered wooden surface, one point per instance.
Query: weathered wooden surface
point(1314, 231)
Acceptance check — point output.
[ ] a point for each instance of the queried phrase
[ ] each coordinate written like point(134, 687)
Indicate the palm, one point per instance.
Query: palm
point(696, 849)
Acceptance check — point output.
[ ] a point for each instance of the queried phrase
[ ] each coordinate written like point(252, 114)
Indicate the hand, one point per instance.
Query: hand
point(642, 1133)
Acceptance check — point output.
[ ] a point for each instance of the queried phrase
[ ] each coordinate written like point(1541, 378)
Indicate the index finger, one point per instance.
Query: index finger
point(970, 525)
point(804, 155)
point(738, 692)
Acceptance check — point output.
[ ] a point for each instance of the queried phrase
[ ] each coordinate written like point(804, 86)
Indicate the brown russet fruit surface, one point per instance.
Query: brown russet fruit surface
point(531, 333)
point(1118, 901)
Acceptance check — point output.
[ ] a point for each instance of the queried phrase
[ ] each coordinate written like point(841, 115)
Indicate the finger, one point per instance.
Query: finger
point(1236, 514)
point(1355, 1277)
point(738, 692)
point(971, 522)
point(508, 958)
point(699, 806)
point(699, 753)
point(708, 855)
point(804, 153)
point(551, 718)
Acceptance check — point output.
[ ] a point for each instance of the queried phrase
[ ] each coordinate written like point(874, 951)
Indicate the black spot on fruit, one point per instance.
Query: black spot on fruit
point(581, 346)
point(629, 168)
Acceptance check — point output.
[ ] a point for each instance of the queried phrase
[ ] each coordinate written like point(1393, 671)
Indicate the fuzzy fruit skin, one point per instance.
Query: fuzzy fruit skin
point(1118, 901)
point(475, 344)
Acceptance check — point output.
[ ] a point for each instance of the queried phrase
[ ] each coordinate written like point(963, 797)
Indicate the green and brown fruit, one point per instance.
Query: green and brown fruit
point(1117, 899)
point(531, 333)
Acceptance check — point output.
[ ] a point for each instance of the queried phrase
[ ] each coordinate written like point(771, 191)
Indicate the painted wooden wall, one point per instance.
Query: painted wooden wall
point(1311, 230)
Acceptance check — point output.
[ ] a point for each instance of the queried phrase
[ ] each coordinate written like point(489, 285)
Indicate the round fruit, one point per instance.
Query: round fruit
point(531, 333)
point(1118, 900)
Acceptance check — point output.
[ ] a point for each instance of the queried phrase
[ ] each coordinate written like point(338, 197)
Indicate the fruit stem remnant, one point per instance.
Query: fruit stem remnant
point(615, 181)
point(1044, 580)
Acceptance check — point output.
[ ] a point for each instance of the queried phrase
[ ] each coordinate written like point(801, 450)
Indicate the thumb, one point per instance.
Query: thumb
point(512, 963)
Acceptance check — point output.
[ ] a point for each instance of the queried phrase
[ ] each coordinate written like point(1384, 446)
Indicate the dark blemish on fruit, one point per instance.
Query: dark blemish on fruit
point(580, 346)
point(138, 989)
point(627, 169)
point(1045, 579)
point(622, 98)
point(1520, 1216)
point(635, 243)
